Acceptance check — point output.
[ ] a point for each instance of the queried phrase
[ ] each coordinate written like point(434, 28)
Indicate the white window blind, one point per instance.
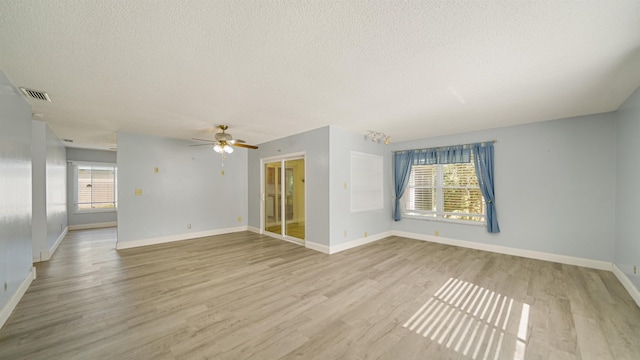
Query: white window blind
point(96, 187)
point(444, 191)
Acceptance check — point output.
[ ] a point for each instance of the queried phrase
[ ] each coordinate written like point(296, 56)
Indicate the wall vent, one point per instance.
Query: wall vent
point(67, 140)
point(36, 94)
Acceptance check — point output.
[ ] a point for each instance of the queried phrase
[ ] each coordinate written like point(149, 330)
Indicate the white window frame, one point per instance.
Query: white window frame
point(76, 165)
point(439, 214)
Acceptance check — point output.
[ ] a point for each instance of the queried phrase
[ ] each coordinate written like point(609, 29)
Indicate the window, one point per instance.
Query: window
point(366, 182)
point(444, 191)
point(96, 187)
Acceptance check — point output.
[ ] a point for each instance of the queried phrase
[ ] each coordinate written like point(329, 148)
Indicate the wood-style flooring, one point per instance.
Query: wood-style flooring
point(246, 296)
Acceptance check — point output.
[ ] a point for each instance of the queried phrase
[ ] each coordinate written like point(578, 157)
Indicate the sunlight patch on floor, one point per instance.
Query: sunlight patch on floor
point(470, 320)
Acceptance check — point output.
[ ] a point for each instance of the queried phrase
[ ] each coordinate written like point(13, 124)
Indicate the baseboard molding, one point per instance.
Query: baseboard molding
point(6, 311)
point(46, 255)
point(93, 226)
point(120, 245)
point(317, 247)
point(538, 255)
point(254, 229)
point(628, 285)
point(358, 242)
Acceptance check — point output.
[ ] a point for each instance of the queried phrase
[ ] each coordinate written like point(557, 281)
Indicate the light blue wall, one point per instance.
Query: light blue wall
point(49, 195)
point(554, 187)
point(627, 250)
point(342, 143)
point(315, 144)
point(87, 155)
point(39, 188)
point(189, 188)
point(15, 190)
point(56, 175)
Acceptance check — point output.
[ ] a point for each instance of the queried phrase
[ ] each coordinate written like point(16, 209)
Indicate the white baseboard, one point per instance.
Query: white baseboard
point(569, 260)
point(345, 246)
point(93, 226)
point(120, 245)
point(6, 311)
point(254, 229)
point(628, 285)
point(317, 247)
point(358, 242)
point(46, 255)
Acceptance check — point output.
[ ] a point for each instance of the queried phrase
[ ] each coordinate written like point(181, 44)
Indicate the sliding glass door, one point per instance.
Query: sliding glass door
point(284, 198)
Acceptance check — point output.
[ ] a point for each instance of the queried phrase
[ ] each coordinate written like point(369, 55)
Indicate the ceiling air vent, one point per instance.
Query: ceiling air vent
point(36, 94)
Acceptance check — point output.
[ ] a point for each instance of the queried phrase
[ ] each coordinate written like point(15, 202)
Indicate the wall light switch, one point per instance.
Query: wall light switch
point(138, 192)
point(156, 170)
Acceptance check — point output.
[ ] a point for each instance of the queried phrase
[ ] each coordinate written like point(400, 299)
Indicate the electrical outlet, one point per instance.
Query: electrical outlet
point(222, 172)
point(366, 234)
point(239, 218)
point(138, 192)
point(437, 232)
point(635, 269)
point(188, 226)
point(156, 170)
point(345, 233)
point(5, 286)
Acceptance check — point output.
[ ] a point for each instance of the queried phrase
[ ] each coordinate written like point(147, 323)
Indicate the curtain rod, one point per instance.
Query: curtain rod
point(442, 147)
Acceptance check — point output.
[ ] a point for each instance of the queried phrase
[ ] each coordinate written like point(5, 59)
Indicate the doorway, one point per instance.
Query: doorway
point(283, 198)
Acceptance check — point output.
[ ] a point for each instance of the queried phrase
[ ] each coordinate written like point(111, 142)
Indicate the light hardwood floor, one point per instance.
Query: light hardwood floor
point(246, 296)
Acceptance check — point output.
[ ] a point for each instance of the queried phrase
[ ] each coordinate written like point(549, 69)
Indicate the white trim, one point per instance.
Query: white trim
point(46, 255)
point(628, 285)
point(6, 311)
point(92, 163)
point(291, 156)
point(93, 226)
point(358, 242)
point(317, 247)
point(254, 229)
point(564, 259)
point(120, 245)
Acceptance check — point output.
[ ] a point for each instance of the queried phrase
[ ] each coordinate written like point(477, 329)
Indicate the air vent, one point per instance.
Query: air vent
point(67, 140)
point(36, 94)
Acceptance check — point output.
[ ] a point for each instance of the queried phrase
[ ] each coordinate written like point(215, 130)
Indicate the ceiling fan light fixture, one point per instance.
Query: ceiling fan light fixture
point(228, 149)
point(217, 148)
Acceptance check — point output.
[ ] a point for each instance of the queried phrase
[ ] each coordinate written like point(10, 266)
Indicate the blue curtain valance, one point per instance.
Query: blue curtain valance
point(441, 155)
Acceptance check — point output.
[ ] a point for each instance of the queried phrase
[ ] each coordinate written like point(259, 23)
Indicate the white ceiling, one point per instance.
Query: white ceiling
point(410, 69)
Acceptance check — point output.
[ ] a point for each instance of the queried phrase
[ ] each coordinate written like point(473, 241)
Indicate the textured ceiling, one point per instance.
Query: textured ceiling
point(269, 69)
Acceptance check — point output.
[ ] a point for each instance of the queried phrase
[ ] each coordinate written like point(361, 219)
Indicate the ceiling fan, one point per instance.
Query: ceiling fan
point(224, 141)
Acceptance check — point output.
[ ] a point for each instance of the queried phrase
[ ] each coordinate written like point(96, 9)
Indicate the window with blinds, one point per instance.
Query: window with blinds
point(444, 191)
point(96, 187)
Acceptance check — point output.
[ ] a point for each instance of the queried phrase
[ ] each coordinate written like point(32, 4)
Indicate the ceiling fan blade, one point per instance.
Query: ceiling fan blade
point(209, 141)
point(202, 144)
point(245, 146)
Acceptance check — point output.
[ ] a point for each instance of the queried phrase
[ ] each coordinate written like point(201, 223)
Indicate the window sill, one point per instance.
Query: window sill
point(450, 221)
point(94, 211)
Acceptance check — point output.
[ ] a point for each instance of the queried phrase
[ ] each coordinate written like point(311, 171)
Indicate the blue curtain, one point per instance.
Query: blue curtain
point(483, 160)
point(402, 161)
point(425, 156)
point(454, 154)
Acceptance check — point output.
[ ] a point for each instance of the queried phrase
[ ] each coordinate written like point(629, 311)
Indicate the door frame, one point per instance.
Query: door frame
point(263, 195)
